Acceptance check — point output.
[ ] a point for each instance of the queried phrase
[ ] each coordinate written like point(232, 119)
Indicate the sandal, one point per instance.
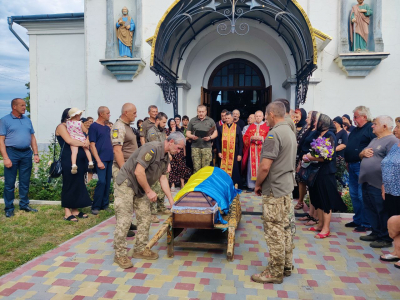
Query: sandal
point(81, 215)
point(389, 257)
point(322, 236)
point(305, 218)
point(314, 229)
point(313, 220)
point(299, 205)
point(71, 218)
point(397, 266)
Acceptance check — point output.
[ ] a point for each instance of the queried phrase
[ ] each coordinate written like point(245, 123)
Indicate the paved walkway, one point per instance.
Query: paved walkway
point(340, 267)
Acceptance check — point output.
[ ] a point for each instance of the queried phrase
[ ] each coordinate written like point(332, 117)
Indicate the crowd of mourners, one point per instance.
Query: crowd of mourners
point(365, 160)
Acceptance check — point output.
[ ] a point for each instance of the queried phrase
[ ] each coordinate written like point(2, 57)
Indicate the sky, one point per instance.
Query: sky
point(14, 58)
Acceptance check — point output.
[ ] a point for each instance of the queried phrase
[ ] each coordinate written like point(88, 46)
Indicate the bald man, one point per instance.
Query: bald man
point(102, 151)
point(124, 142)
point(237, 120)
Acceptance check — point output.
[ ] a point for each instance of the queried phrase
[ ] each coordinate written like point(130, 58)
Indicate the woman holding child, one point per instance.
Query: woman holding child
point(74, 194)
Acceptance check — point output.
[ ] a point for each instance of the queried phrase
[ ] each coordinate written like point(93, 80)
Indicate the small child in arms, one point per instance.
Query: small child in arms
point(76, 130)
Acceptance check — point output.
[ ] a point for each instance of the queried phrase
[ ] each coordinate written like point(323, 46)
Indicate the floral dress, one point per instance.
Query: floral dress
point(178, 167)
point(74, 129)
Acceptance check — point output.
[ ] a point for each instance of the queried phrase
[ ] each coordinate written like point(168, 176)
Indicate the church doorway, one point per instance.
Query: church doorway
point(236, 84)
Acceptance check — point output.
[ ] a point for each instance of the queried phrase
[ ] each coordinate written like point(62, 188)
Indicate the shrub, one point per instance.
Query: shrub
point(91, 186)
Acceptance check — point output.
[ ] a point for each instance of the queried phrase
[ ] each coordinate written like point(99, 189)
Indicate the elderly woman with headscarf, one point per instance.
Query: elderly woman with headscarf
point(326, 197)
point(301, 127)
point(303, 148)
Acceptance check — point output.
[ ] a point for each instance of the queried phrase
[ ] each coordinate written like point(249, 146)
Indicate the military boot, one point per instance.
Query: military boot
point(146, 254)
point(123, 261)
point(287, 271)
point(265, 277)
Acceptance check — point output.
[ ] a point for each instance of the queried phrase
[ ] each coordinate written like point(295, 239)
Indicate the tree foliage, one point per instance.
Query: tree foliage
point(28, 99)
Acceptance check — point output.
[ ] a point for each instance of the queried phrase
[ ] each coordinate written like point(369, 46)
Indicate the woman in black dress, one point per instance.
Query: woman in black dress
point(327, 197)
point(74, 194)
point(179, 171)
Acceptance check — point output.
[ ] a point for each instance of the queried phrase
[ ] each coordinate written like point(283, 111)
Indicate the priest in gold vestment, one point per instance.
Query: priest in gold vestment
point(229, 148)
point(253, 141)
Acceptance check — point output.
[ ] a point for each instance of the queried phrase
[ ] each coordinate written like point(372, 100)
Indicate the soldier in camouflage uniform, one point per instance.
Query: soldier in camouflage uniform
point(146, 125)
point(156, 133)
point(124, 143)
point(275, 182)
point(132, 190)
point(201, 130)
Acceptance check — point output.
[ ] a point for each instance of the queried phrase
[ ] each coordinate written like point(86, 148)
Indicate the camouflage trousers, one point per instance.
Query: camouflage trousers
point(160, 198)
point(125, 202)
point(115, 171)
point(278, 234)
point(201, 158)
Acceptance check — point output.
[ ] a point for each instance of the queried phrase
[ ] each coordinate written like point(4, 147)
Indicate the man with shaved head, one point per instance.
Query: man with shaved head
point(275, 183)
point(237, 120)
point(102, 151)
point(124, 142)
point(253, 140)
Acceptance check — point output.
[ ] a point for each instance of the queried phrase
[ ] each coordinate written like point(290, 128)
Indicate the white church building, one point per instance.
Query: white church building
point(226, 54)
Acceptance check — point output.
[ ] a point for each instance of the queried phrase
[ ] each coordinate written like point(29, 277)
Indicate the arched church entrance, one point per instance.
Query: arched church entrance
point(236, 84)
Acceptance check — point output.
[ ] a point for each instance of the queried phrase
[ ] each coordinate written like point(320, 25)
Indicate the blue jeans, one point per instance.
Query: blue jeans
point(356, 195)
point(101, 198)
point(22, 162)
point(375, 211)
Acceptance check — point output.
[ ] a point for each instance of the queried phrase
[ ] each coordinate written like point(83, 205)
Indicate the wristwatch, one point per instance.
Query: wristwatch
point(36, 154)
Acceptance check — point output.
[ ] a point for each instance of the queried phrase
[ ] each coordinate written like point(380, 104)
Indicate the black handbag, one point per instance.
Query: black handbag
point(55, 168)
point(309, 174)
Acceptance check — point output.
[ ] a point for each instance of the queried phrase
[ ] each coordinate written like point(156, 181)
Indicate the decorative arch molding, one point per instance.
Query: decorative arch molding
point(185, 19)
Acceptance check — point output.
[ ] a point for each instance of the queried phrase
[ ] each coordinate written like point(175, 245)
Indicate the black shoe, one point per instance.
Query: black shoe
point(351, 225)
point(28, 209)
point(362, 229)
point(133, 227)
point(369, 238)
point(381, 244)
point(131, 233)
point(95, 212)
point(250, 191)
point(9, 214)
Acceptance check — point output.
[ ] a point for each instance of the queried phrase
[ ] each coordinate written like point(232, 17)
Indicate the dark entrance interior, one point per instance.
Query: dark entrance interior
point(236, 84)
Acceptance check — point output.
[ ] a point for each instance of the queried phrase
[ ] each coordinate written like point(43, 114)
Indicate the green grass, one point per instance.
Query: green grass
point(28, 235)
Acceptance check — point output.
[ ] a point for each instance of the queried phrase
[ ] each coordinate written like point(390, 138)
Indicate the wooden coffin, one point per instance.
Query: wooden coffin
point(194, 210)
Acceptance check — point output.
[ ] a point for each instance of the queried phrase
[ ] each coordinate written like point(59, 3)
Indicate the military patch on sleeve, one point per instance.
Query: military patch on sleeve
point(270, 137)
point(115, 133)
point(148, 156)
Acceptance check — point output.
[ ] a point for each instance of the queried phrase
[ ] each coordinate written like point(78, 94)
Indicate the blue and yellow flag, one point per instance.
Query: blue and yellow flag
point(216, 184)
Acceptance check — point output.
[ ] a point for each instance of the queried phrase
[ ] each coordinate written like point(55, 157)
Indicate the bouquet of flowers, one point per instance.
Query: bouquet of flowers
point(322, 148)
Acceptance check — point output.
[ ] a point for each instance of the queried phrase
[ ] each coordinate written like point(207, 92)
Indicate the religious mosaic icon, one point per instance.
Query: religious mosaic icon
point(359, 26)
point(125, 31)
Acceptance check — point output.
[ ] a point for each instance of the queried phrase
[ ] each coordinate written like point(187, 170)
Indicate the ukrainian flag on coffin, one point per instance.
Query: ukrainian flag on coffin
point(216, 184)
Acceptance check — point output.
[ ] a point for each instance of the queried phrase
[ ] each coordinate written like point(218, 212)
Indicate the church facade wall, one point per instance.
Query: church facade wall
point(85, 83)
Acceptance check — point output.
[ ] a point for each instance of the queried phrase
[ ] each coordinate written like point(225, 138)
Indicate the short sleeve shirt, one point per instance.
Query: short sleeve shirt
point(202, 125)
point(281, 147)
point(152, 157)
point(17, 131)
point(370, 169)
point(154, 134)
point(341, 139)
point(122, 134)
point(100, 135)
point(146, 125)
